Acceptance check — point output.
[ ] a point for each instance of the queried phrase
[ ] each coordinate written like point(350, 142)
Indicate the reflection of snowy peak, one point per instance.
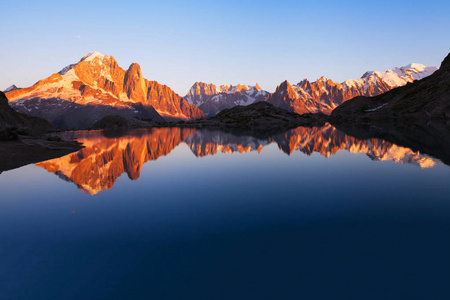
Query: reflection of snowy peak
point(212, 99)
point(324, 94)
point(97, 79)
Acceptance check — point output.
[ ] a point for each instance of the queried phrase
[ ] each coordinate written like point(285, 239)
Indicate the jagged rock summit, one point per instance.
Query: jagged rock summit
point(97, 80)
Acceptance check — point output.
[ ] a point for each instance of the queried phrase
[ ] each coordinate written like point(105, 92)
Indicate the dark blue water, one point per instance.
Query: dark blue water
point(326, 221)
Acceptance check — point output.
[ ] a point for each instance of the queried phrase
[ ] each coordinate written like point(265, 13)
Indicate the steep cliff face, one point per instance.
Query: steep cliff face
point(324, 95)
point(212, 99)
point(134, 84)
point(97, 80)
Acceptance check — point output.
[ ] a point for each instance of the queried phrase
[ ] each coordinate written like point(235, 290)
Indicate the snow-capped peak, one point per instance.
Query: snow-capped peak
point(400, 76)
point(88, 57)
point(414, 66)
point(413, 70)
point(92, 56)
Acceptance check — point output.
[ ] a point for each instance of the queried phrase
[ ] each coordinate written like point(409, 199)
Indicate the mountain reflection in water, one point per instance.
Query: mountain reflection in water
point(96, 167)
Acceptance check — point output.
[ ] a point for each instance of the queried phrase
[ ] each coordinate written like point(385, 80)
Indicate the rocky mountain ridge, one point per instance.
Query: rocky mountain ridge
point(324, 95)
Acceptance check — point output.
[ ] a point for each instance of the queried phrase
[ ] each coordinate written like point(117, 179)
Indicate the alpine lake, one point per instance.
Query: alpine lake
point(182, 213)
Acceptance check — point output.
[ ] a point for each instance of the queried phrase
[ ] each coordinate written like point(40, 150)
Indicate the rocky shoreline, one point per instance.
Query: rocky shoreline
point(16, 154)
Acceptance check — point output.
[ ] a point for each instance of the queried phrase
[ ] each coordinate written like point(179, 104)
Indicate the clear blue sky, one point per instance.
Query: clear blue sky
point(223, 42)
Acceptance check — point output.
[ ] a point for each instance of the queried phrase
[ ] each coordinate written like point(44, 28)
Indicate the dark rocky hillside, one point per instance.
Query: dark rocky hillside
point(13, 124)
point(24, 139)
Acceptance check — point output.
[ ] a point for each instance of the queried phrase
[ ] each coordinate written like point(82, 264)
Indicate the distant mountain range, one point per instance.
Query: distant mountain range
point(83, 93)
point(324, 95)
point(212, 99)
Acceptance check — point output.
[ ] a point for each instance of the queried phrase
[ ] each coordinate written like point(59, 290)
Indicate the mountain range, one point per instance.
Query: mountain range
point(324, 95)
point(95, 87)
point(82, 93)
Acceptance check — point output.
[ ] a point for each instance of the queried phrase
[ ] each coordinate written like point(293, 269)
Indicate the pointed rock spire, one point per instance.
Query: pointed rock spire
point(134, 84)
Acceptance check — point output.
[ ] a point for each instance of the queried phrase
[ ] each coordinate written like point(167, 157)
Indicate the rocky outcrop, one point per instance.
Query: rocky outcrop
point(324, 95)
point(28, 150)
point(258, 117)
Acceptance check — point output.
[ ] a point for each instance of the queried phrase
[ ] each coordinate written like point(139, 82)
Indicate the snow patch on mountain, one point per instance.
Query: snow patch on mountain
point(93, 55)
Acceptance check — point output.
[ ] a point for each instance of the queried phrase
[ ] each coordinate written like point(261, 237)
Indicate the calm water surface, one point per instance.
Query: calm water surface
point(189, 214)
